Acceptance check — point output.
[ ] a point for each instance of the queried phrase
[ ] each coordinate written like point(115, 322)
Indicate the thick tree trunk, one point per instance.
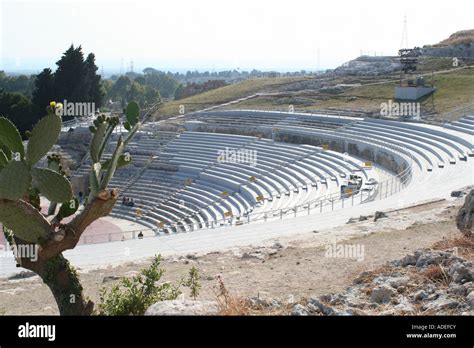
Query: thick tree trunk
point(55, 270)
point(65, 285)
point(63, 281)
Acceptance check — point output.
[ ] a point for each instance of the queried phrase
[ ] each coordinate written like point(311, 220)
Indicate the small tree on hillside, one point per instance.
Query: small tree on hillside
point(22, 184)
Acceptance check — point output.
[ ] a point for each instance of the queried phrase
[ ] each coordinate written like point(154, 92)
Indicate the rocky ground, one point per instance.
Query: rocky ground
point(306, 275)
point(427, 282)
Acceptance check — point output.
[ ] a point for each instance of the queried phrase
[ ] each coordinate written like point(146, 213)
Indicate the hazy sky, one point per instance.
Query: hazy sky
point(217, 34)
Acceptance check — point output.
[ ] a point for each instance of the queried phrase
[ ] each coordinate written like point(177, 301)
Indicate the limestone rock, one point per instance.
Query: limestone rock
point(183, 307)
point(381, 294)
point(465, 216)
point(300, 310)
point(441, 303)
point(315, 304)
point(420, 295)
point(397, 282)
point(470, 299)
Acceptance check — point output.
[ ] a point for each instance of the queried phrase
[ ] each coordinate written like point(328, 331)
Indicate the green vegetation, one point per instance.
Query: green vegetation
point(455, 89)
point(125, 89)
point(75, 80)
point(133, 296)
point(18, 109)
point(21, 84)
point(21, 184)
point(196, 88)
point(23, 99)
point(226, 94)
point(193, 282)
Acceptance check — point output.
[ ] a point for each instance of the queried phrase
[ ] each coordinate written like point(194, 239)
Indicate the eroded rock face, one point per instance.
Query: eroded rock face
point(183, 307)
point(465, 217)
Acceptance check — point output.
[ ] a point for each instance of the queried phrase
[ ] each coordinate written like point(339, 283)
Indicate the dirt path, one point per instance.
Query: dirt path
point(289, 270)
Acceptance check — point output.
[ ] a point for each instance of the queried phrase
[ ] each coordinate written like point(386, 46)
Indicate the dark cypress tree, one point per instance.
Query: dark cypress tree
point(44, 91)
point(94, 87)
point(75, 80)
point(70, 77)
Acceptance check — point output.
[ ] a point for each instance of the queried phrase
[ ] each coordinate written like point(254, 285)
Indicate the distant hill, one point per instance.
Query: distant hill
point(436, 57)
point(463, 37)
point(460, 45)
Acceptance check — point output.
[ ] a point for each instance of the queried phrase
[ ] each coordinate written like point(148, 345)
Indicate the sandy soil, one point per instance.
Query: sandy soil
point(292, 269)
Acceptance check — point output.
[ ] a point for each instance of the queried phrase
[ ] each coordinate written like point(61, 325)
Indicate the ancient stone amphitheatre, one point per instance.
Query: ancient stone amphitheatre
point(279, 174)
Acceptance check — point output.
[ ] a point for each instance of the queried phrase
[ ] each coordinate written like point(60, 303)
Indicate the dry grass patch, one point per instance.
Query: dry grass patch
point(436, 274)
point(464, 245)
point(232, 305)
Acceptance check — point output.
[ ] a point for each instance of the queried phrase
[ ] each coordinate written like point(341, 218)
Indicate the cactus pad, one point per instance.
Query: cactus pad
point(132, 112)
point(52, 185)
point(14, 180)
point(96, 142)
point(3, 159)
point(113, 164)
point(10, 137)
point(43, 137)
point(24, 220)
point(67, 209)
point(94, 177)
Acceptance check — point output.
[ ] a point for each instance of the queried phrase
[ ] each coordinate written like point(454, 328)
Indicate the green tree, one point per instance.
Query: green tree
point(178, 94)
point(119, 90)
point(18, 109)
point(93, 82)
point(18, 84)
point(163, 82)
point(70, 78)
point(152, 95)
point(44, 91)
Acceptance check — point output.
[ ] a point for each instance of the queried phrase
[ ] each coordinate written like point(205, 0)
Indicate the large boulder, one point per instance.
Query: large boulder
point(183, 307)
point(465, 217)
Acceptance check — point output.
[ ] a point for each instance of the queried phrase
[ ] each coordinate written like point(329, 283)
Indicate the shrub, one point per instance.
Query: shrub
point(133, 296)
point(193, 282)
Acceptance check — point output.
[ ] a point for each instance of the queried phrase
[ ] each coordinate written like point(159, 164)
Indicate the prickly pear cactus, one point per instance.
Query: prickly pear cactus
point(67, 209)
point(10, 137)
point(52, 185)
point(22, 184)
point(24, 220)
point(103, 171)
point(14, 180)
point(132, 112)
point(43, 137)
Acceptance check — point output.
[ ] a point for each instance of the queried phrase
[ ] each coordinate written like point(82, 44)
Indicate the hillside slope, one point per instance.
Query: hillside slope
point(226, 94)
point(462, 37)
